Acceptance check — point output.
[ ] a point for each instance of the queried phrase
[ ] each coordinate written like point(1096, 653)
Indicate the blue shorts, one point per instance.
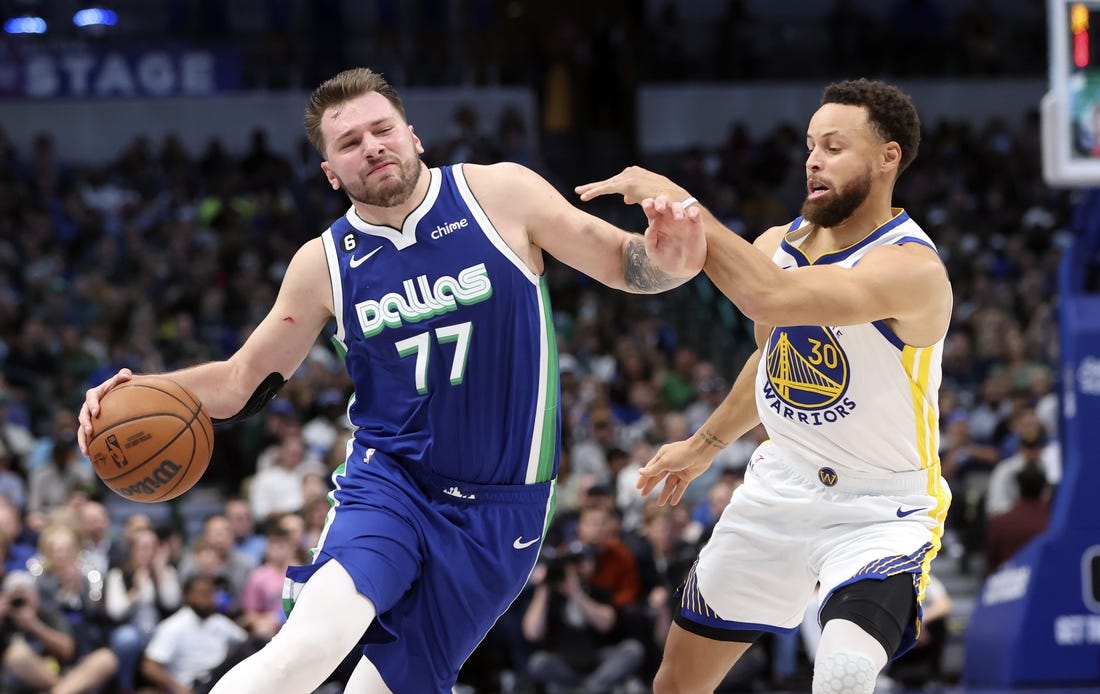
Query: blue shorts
point(441, 560)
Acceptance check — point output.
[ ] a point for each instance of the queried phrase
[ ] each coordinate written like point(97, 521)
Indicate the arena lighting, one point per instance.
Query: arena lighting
point(25, 25)
point(95, 17)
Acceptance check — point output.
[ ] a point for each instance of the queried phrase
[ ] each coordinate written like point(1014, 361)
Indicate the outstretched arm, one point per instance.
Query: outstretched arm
point(906, 284)
point(532, 216)
point(278, 345)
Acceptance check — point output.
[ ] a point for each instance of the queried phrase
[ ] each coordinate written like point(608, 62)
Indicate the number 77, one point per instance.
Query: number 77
point(421, 343)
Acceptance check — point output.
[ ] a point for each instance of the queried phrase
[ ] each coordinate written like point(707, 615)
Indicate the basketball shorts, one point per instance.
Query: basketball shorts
point(440, 559)
point(788, 528)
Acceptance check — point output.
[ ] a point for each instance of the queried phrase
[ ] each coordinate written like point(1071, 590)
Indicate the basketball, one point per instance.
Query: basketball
point(153, 439)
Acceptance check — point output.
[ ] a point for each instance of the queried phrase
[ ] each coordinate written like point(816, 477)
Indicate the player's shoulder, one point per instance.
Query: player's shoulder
point(506, 174)
point(507, 188)
point(769, 241)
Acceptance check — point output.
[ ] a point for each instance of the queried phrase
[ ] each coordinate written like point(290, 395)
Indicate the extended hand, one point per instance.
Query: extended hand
point(677, 464)
point(635, 184)
point(675, 240)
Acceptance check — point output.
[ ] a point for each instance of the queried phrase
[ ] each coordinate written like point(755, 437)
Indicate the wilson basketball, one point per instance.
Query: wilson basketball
point(152, 440)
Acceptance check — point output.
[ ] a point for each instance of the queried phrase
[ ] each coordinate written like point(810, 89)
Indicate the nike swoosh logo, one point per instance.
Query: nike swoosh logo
point(356, 262)
point(903, 514)
point(520, 543)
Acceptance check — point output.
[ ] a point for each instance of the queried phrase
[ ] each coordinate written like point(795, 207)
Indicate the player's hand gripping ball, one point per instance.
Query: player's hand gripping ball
point(153, 439)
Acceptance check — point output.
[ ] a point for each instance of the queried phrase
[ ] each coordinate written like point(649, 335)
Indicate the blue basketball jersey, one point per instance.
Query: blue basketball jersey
point(449, 340)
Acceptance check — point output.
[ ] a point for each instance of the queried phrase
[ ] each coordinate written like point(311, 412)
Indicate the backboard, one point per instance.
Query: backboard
point(1070, 111)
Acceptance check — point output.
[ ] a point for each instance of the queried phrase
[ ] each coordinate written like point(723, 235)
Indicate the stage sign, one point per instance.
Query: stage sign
point(90, 72)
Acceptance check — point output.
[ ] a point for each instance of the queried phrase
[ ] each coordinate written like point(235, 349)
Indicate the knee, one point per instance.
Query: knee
point(844, 672)
point(288, 651)
point(667, 682)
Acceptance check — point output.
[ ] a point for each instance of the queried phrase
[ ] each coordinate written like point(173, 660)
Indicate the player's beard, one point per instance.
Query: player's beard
point(839, 204)
point(390, 191)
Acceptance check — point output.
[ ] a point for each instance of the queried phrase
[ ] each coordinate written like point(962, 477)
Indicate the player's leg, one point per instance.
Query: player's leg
point(752, 576)
point(328, 619)
point(694, 663)
point(864, 623)
point(366, 679)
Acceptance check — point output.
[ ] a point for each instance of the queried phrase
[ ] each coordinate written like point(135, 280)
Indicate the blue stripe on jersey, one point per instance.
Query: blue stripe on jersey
point(837, 256)
point(914, 239)
point(893, 339)
point(449, 342)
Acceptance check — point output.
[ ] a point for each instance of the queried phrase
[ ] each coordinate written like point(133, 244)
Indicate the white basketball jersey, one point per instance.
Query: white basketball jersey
point(851, 397)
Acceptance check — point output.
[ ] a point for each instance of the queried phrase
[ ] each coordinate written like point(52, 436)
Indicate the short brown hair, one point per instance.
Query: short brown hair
point(340, 89)
point(889, 110)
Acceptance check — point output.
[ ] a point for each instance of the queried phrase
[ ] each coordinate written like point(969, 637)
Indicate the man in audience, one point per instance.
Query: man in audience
point(192, 643)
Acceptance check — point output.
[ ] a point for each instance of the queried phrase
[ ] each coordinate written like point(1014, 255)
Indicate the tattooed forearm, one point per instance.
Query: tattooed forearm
point(641, 276)
point(711, 440)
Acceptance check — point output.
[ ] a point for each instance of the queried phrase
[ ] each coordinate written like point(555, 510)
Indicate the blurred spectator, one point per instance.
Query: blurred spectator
point(277, 488)
point(245, 538)
point(37, 648)
point(14, 429)
point(228, 562)
point(262, 601)
point(95, 534)
point(678, 385)
point(624, 469)
point(615, 568)
point(120, 549)
point(294, 525)
point(20, 543)
point(1003, 488)
point(706, 513)
point(12, 486)
point(315, 516)
point(71, 585)
point(664, 559)
point(139, 594)
point(330, 424)
point(64, 472)
point(187, 646)
point(588, 456)
point(571, 622)
point(1009, 531)
point(712, 391)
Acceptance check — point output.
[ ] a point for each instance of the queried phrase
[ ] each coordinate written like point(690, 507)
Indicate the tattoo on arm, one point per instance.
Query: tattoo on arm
point(641, 275)
point(711, 440)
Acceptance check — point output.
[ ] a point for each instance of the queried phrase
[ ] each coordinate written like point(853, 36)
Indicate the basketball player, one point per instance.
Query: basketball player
point(435, 280)
point(851, 303)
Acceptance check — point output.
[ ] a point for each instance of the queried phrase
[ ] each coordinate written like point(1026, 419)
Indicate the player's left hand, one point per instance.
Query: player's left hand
point(675, 240)
point(677, 464)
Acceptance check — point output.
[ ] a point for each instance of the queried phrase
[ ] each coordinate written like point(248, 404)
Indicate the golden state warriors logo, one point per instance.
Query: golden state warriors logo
point(808, 375)
point(806, 367)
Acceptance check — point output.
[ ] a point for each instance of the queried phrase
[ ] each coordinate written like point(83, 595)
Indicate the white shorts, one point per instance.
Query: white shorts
point(787, 529)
